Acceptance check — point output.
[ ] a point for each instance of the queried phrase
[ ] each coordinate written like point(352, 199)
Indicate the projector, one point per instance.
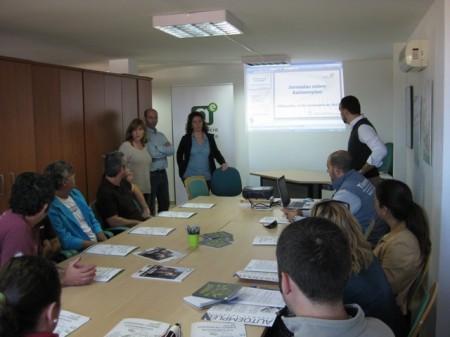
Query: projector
point(257, 192)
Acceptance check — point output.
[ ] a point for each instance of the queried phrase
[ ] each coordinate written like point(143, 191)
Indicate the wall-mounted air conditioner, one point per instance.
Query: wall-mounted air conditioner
point(414, 56)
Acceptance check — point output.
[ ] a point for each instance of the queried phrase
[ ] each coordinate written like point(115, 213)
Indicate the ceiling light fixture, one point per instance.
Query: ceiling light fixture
point(198, 24)
point(264, 60)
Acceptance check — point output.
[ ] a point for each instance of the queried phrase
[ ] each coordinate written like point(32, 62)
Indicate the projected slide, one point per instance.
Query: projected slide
point(296, 97)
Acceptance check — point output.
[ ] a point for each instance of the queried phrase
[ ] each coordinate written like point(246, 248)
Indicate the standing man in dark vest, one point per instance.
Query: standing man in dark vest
point(364, 145)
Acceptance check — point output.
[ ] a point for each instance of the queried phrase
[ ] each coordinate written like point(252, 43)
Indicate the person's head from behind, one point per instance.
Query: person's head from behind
point(339, 213)
point(31, 194)
point(151, 118)
point(61, 174)
point(314, 263)
point(338, 164)
point(136, 132)
point(196, 122)
point(349, 108)
point(115, 164)
point(30, 296)
point(394, 200)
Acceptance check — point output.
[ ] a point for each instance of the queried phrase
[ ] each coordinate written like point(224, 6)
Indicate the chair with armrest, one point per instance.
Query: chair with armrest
point(196, 186)
point(424, 309)
point(388, 160)
point(417, 286)
point(226, 183)
point(109, 231)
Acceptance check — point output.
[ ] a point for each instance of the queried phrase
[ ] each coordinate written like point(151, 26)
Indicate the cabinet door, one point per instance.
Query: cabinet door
point(47, 114)
point(72, 124)
point(129, 102)
point(103, 123)
point(17, 151)
point(144, 95)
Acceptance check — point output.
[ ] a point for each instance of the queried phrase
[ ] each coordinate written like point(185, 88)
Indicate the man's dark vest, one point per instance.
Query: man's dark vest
point(360, 151)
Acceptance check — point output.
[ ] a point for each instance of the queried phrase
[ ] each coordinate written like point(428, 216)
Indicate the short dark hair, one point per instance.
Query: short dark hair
point(113, 163)
point(30, 192)
point(316, 255)
point(351, 103)
point(57, 172)
point(342, 160)
point(29, 284)
point(191, 116)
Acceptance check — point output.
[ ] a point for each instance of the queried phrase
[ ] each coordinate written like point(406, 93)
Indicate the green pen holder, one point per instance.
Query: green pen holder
point(193, 240)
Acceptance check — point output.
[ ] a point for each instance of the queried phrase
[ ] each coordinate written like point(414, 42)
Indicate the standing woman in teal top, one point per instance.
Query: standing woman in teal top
point(198, 150)
point(30, 297)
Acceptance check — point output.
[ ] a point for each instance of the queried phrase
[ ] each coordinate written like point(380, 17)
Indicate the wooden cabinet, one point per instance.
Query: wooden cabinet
point(17, 151)
point(50, 113)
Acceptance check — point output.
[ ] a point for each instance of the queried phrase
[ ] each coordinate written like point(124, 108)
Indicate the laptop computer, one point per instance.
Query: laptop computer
point(286, 200)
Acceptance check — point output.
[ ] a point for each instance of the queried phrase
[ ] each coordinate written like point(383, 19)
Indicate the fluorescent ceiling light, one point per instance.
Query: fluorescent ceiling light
point(265, 60)
point(198, 24)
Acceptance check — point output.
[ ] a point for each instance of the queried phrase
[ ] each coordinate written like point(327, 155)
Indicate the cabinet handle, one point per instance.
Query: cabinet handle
point(2, 185)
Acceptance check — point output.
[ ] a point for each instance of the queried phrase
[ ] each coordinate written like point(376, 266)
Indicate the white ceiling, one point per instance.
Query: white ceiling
point(89, 33)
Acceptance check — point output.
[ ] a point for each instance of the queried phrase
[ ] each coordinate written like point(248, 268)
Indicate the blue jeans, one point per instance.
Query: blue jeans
point(160, 191)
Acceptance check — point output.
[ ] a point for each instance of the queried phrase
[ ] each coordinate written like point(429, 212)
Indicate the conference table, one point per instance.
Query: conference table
point(301, 183)
point(125, 297)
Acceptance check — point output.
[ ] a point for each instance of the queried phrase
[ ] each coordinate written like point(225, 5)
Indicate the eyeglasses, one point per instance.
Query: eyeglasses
point(330, 201)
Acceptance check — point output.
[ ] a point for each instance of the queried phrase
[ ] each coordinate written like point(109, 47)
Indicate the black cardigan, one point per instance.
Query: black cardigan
point(184, 153)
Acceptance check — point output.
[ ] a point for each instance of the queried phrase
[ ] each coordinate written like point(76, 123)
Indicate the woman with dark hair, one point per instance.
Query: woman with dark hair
point(198, 149)
point(405, 250)
point(136, 155)
point(30, 297)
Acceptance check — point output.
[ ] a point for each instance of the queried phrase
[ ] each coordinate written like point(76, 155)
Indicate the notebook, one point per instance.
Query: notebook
point(286, 200)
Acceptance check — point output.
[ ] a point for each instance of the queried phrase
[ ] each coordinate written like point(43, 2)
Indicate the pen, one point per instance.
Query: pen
point(174, 331)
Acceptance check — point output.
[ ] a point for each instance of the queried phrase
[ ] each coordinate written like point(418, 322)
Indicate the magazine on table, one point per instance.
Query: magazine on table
point(173, 214)
point(160, 254)
point(163, 273)
point(249, 314)
point(197, 205)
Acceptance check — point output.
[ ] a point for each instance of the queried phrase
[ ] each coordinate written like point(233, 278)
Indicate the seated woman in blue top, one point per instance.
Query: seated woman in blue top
point(368, 285)
point(71, 217)
point(30, 297)
point(198, 149)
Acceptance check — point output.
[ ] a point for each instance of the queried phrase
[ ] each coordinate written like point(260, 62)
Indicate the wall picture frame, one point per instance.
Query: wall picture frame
point(409, 114)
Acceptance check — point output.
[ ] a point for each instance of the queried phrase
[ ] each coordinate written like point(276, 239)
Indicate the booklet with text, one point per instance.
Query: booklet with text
point(218, 290)
point(139, 327)
point(262, 265)
point(104, 274)
point(157, 231)
point(180, 215)
point(68, 322)
point(257, 276)
point(163, 273)
point(115, 250)
point(247, 314)
point(265, 240)
point(218, 329)
point(197, 205)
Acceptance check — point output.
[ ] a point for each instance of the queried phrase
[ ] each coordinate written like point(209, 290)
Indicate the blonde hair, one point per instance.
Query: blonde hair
point(339, 213)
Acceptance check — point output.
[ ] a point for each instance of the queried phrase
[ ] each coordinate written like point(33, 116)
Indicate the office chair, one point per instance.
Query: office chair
point(226, 183)
point(417, 286)
point(422, 313)
point(388, 161)
point(196, 186)
point(109, 231)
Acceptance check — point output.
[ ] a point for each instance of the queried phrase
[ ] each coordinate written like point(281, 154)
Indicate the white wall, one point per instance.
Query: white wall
point(429, 183)
point(370, 81)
